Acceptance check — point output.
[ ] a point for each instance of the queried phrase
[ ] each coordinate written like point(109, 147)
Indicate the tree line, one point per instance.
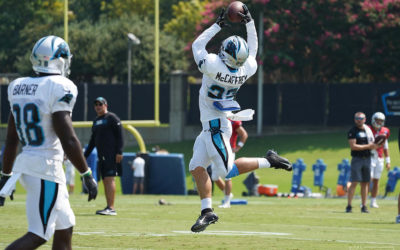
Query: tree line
point(303, 41)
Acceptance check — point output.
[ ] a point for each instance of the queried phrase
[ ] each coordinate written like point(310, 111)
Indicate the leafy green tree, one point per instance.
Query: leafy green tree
point(100, 50)
point(21, 22)
point(117, 8)
point(187, 17)
point(377, 26)
point(86, 10)
point(306, 41)
point(325, 40)
point(97, 37)
point(331, 41)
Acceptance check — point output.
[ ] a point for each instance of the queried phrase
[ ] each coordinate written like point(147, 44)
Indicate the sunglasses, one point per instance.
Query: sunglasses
point(98, 104)
point(359, 118)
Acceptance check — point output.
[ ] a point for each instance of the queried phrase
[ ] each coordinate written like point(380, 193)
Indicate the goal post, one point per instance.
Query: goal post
point(128, 125)
point(131, 124)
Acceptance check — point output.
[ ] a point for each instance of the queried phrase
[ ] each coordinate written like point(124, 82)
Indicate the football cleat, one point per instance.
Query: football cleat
point(203, 221)
point(225, 205)
point(106, 211)
point(277, 161)
point(398, 219)
point(374, 204)
point(348, 209)
point(364, 209)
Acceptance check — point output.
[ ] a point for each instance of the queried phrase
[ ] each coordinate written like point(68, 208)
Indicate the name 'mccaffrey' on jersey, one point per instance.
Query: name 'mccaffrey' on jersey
point(219, 82)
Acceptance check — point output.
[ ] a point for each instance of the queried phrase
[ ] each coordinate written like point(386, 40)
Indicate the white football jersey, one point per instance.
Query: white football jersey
point(32, 101)
point(219, 82)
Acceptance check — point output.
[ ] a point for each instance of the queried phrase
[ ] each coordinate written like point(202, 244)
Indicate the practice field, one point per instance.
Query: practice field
point(265, 223)
point(331, 147)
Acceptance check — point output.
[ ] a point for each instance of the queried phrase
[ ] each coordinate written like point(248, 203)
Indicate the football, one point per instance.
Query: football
point(233, 9)
point(379, 139)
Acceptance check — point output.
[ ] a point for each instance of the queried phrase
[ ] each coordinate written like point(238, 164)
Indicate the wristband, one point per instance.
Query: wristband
point(88, 172)
point(387, 159)
point(4, 174)
point(240, 144)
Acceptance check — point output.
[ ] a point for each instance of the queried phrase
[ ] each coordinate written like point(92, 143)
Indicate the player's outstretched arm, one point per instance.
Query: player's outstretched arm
point(221, 19)
point(9, 154)
point(63, 127)
point(199, 45)
point(252, 39)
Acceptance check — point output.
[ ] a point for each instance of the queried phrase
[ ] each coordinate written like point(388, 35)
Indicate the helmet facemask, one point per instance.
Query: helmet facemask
point(378, 120)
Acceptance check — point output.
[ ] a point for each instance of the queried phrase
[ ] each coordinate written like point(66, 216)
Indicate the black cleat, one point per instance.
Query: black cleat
point(364, 209)
point(277, 161)
point(348, 209)
point(203, 221)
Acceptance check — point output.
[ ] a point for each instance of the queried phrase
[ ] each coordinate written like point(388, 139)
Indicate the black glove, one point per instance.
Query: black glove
point(246, 16)
point(90, 185)
point(221, 19)
point(3, 181)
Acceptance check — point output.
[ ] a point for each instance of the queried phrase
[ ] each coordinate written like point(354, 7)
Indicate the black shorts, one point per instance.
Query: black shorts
point(107, 167)
point(138, 180)
point(360, 169)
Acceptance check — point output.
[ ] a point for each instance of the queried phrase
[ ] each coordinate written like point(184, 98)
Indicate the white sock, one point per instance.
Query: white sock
point(206, 203)
point(373, 200)
point(227, 199)
point(263, 163)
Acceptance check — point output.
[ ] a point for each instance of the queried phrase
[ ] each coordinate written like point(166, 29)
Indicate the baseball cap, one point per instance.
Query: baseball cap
point(101, 100)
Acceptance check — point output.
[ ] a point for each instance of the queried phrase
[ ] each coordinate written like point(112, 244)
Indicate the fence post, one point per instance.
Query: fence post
point(178, 101)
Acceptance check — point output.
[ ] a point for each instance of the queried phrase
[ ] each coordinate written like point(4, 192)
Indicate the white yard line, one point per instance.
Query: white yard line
point(231, 233)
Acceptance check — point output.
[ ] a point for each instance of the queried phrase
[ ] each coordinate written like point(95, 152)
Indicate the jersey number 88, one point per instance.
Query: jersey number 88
point(29, 116)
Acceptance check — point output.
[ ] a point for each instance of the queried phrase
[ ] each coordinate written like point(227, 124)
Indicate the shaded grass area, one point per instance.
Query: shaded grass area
point(265, 223)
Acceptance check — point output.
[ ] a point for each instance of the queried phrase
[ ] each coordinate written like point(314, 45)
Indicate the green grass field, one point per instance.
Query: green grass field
point(331, 147)
point(265, 223)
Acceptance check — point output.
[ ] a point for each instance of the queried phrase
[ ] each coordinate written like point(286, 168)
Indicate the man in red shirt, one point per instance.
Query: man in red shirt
point(237, 131)
point(377, 160)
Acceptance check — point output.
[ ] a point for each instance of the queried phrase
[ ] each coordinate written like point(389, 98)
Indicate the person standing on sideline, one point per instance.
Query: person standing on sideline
point(108, 140)
point(69, 174)
point(138, 175)
point(223, 74)
point(237, 131)
point(377, 160)
point(40, 119)
point(361, 141)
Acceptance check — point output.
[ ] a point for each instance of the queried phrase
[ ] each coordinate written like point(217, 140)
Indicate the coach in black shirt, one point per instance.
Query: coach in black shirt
point(107, 138)
point(361, 141)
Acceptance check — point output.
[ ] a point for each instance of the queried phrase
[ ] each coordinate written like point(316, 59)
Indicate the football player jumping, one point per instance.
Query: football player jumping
point(41, 120)
point(223, 75)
